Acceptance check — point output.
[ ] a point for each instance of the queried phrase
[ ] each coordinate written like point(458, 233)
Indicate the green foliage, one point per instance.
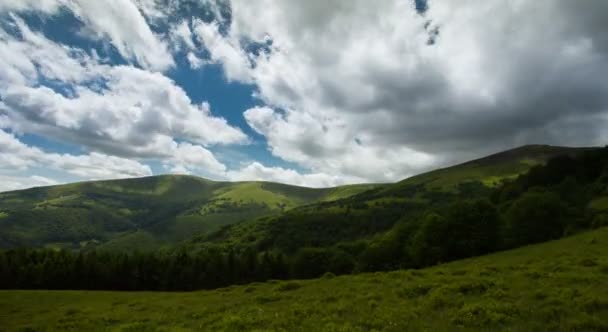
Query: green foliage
point(171, 270)
point(466, 228)
point(311, 262)
point(365, 215)
point(488, 293)
point(168, 209)
point(535, 217)
point(427, 245)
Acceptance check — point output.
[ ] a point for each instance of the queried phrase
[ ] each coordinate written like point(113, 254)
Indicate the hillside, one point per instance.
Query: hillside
point(490, 170)
point(143, 213)
point(152, 212)
point(556, 286)
point(363, 215)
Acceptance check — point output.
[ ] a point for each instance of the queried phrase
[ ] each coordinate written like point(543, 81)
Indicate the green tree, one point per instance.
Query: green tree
point(427, 245)
point(464, 229)
point(311, 262)
point(535, 217)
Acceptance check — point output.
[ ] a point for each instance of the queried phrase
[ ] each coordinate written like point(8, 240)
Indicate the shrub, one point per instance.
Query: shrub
point(475, 287)
point(535, 217)
point(413, 292)
point(485, 314)
point(588, 262)
point(288, 286)
point(600, 220)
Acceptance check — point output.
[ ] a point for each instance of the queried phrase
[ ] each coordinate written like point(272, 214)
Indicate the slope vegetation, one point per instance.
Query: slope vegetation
point(143, 213)
point(374, 211)
point(555, 286)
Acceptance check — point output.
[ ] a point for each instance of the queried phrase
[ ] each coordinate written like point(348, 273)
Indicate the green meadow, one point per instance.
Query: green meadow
point(555, 286)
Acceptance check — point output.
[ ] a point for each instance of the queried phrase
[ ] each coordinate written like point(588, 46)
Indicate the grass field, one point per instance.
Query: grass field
point(556, 286)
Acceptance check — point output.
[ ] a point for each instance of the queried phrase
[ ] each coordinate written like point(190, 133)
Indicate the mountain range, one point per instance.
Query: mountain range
point(151, 212)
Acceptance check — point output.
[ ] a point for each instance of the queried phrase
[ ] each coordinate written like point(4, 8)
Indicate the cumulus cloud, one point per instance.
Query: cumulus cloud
point(328, 145)
point(255, 171)
point(15, 155)
point(120, 110)
point(119, 22)
point(44, 6)
point(223, 51)
point(122, 24)
point(353, 90)
point(12, 182)
point(379, 91)
point(137, 112)
point(181, 36)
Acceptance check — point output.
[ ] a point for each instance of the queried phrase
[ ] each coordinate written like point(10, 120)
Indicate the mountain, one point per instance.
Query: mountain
point(490, 170)
point(556, 286)
point(371, 212)
point(144, 213)
point(151, 212)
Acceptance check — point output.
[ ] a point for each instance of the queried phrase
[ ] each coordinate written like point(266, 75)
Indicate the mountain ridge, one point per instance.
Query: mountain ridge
point(150, 212)
point(163, 209)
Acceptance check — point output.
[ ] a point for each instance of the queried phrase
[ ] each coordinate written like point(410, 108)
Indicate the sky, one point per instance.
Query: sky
point(315, 93)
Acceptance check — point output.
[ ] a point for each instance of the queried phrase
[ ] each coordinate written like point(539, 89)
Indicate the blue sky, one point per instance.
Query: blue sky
point(312, 93)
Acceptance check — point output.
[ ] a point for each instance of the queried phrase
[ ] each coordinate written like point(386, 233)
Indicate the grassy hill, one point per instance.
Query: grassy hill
point(365, 214)
point(490, 170)
point(555, 286)
point(143, 213)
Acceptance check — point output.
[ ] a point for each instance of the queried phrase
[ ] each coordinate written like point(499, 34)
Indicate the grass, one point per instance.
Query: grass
point(490, 170)
point(348, 191)
point(556, 286)
point(254, 192)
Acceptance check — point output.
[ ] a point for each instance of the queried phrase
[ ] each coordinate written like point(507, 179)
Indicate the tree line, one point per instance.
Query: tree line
point(163, 271)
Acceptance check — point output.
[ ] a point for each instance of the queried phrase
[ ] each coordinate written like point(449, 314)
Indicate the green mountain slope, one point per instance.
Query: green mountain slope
point(556, 286)
point(490, 170)
point(374, 211)
point(143, 213)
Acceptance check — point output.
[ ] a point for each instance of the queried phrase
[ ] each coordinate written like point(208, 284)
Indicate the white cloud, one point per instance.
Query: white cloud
point(45, 6)
point(16, 155)
point(119, 22)
point(12, 182)
point(189, 158)
point(181, 36)
point(375, 90)
point(115, 109)
point(255, 171)
point(135, 113)
point(194, 61)
point(328, 146)
point(355, 90)
point(224, 51)
point(31, 56)
point(122, 114)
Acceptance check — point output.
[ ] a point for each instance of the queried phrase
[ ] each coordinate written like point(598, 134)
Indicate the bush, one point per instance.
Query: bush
point(485, 314)
point(464, 229)
point(535, 217)
point(413, 292)
point(600, 220)
point(311, 262)
point(288, 286)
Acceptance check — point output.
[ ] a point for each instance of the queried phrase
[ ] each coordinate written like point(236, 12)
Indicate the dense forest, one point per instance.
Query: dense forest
point(548, 202)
